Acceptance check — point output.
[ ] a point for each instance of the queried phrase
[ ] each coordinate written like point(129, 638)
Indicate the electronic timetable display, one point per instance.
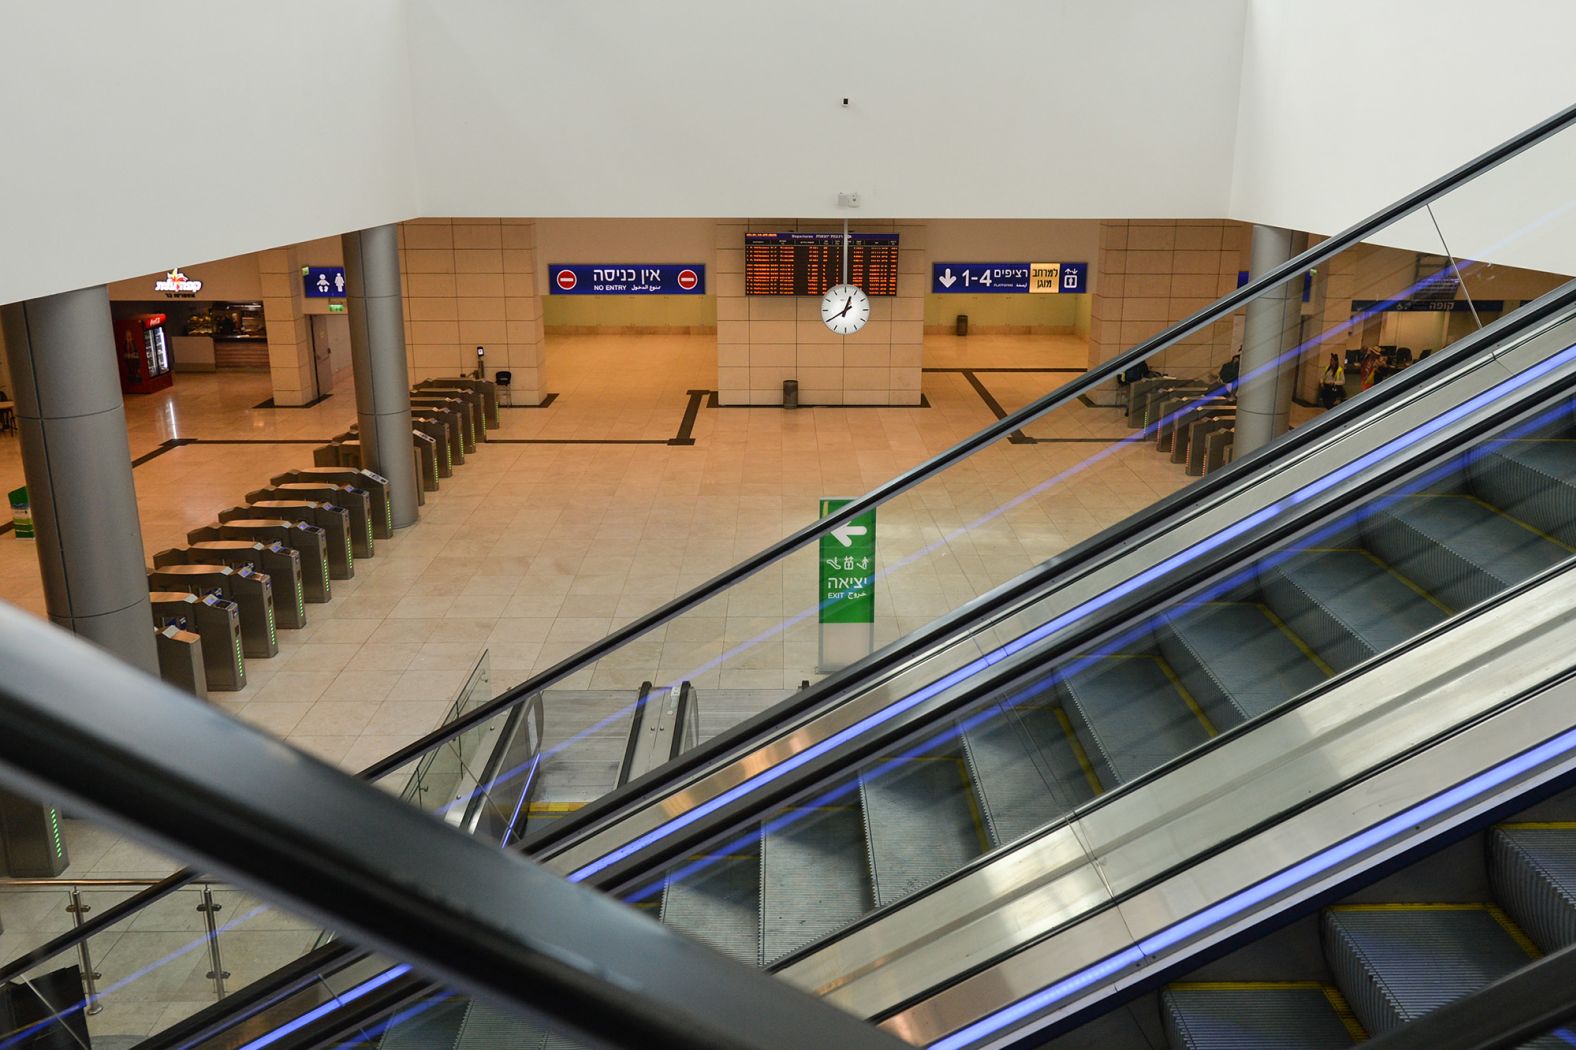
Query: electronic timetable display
point(810, 263)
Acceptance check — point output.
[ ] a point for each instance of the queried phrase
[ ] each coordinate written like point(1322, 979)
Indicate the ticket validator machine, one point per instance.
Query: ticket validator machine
point(180, 659)
point(250, 590)
point(486, 387)
point(217, 622)
point(334, 521)
point(462, 410)
point(281, 563)
point(376, 486)
point(32, 843)
point(353, 501)
point(477, 399)
point(307, 541)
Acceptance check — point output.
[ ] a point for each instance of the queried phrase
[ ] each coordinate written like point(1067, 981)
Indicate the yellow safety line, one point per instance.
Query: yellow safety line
point(1243, 986)
point(1408, 581)
point(1542, 825)
point(554, 807)
point(976, 814)
point(1187, 697)
point(1343, 1010)
point(1524, 524)
point(1291, 636)
point(1078, 751)
point(1517, 934)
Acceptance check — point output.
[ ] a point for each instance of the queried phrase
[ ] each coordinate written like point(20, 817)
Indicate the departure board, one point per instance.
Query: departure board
point(810, 263)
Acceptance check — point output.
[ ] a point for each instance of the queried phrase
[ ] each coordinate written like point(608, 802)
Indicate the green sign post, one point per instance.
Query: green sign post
point(848, 588)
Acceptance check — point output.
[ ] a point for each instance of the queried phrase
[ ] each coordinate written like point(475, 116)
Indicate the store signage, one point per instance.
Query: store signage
point(176, 285)
point(627, 279)
point(1442, 306)
point(323, 282)
point(1009, 278)
point(848, 568)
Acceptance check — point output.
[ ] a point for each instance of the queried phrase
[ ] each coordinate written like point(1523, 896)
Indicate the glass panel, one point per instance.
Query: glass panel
point(1056, 734)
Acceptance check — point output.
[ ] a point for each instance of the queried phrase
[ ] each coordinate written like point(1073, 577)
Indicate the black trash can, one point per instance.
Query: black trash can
point(790, 393)
point(963, 324)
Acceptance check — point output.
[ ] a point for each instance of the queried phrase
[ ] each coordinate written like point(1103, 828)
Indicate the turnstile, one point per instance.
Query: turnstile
point(1182, 450)
point(376, 486)
point(334, 521)
point(281, 563)
point(1217, 449)
point(1177, 413)
point(32, 845)
point(250, 590)
point(353, 501)
point(438, 431)
point(307, 540)
point(462, 409)
point(426, 464)
point(475, 398)
point(217, 622)
point(180, 659)
point(486, 387)
point(346, 452)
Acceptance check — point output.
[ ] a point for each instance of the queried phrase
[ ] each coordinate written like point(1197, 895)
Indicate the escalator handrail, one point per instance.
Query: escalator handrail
point(147, 759)
point(1520, 1006)
point(1015, 420)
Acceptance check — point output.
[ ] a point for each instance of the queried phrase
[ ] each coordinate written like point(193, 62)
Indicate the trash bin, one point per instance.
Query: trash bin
point(963, 324)
point(21, 513)
point(790, 393)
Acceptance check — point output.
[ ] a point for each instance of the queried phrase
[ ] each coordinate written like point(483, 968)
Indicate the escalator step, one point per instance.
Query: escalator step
point(1298, 1016)
point(921, 822)
point(1459, 549)
point(1024, 770)
point(1398, 962)
point(815, 879)
point(1345, 604)
point(1532, 480)
point(1131, 716)
point(435, 1029)
point(1533, 868)
point(720, 905)
point(1236, 660)
point(487, 1028)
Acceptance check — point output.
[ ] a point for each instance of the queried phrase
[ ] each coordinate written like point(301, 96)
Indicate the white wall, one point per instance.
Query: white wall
point(1007, 108)
point(143, 136)
point(1347, 106)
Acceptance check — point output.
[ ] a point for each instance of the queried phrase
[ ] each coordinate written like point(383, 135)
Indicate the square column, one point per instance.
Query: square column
point(290, 362)
point(765, 339)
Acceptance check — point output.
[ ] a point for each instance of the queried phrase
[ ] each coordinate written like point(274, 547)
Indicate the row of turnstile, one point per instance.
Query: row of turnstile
point(1195, 423)
point(223, 597)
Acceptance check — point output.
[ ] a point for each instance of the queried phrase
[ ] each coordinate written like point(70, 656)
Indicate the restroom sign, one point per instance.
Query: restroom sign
point(323, 282)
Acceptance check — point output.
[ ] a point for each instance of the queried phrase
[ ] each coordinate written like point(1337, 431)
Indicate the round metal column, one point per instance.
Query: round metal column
point(77, 462)
point(1269, 338)
point(377, 355)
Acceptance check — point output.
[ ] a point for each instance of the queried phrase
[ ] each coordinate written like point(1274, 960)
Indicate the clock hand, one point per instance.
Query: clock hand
point(847, 306)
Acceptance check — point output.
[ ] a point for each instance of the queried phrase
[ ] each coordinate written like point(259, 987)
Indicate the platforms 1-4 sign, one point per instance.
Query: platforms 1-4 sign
point(1009, 278)
point(626, 279)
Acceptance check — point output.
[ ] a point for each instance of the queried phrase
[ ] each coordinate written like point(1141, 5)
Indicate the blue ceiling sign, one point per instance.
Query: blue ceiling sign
point(323, 282)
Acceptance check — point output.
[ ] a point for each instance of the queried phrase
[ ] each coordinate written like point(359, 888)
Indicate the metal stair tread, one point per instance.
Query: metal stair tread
point(1236, 660)
point(1531, 479)
point(437, 1028)
point(719, 905)
point(1533, 870)
point(1132, 713)
point(815, 879)
point(1024, 770)
point(1249, 1018)
point(1374, 609)
point(488, 1028)
point(921, 823)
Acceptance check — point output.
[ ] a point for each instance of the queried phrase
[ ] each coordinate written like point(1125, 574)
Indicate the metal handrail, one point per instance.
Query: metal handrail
point(137, 754)
point(87, 884)
point(1101, 373)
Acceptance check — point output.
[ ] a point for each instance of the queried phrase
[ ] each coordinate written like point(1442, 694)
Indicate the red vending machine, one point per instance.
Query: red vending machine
point(144, 354)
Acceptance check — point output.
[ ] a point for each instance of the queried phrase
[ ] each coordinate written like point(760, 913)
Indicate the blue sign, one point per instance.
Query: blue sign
point(626, 279)
point(1009, 278)
point(323, 282)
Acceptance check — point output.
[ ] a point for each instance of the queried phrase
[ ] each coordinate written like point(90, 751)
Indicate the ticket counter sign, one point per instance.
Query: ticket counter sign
point(848, 568)
point(626, 279)
point(1009, 278)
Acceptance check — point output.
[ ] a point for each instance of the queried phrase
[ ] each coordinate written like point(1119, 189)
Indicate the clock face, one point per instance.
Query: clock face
point(845, 308)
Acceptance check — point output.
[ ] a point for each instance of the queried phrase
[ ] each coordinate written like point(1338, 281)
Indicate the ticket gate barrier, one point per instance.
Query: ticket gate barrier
point(307, 540)
point(376, 486)
point(426, 464)
point(443, 423)
point(334, 521)
point(438, 431)
point(217, 622)
point(281, 563)
point(250, 590)
point(486, 387)
point(353, 501)
point(461, 408)
point(180, 659)
point(32, 845)
point(475, 398)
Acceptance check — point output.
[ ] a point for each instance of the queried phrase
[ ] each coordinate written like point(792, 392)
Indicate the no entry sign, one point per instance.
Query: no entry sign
point(627, 279)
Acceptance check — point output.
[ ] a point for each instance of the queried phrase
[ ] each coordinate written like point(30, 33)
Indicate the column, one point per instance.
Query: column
point(77, 463)
point(1269, 340)
point(290, 363)
point(377, 356)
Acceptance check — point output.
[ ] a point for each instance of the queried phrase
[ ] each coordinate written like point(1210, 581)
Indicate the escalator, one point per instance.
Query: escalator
point(880, 837)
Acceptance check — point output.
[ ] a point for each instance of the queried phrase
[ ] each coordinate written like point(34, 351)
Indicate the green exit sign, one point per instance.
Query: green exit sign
point(336, 308)
point(848, 568)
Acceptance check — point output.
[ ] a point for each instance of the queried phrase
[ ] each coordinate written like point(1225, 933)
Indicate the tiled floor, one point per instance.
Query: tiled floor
point(543, 541)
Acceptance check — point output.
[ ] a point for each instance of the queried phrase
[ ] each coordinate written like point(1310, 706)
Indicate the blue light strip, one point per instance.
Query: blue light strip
point(1297, 876)
point(372, 984)
point(1093, 605)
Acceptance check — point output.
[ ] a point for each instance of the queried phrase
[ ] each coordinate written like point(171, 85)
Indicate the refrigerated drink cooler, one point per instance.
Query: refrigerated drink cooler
point(144, 353)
